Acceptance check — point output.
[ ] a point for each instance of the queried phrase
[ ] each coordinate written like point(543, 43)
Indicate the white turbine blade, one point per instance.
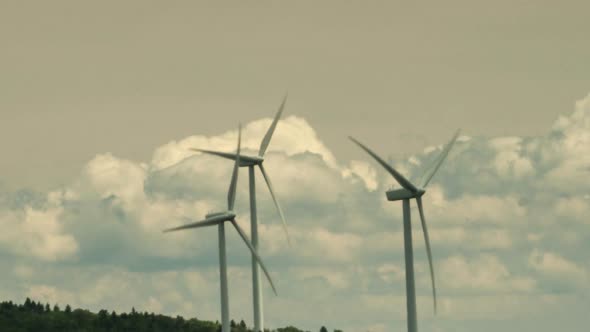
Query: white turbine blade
point(226, 155)
point(274, 199)
point(271, 129)
point(249, 244)
point(441, 158)
point(396, 175)
point(428, 251)
point(202, 223)
point(231, 195)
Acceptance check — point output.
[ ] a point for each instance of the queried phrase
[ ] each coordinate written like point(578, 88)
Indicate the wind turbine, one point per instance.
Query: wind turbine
point(408, 192)
point(251, 162)
point(219, 219)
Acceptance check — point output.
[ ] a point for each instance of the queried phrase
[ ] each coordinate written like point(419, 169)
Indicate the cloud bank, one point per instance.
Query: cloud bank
point(508, 218)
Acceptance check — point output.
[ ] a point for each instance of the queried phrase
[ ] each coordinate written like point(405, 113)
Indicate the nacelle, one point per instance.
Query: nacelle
point(399, 194)
point(214, 214)
point(250, 160)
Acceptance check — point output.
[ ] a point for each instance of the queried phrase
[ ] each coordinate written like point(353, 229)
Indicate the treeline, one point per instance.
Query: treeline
point(34, 316)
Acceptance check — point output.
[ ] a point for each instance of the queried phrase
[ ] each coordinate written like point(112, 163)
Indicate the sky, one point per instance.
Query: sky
point(99, 103)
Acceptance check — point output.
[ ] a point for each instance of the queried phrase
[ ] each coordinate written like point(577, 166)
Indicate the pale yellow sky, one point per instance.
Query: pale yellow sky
point(81, 78)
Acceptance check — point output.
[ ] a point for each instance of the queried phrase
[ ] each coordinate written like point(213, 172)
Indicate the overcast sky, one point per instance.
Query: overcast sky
point(100, 101)
point(80, 78)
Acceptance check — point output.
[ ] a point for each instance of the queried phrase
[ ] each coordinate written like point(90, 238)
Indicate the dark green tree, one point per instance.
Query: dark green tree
point(27, 304)
point(288, 329)
point(39, 308)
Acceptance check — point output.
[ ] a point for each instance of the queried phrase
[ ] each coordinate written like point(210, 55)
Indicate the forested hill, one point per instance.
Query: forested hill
point(37, 317)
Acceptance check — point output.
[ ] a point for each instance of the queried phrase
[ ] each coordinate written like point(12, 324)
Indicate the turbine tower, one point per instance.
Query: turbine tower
point(251, 162)
point(219, 219)
point(408, 192)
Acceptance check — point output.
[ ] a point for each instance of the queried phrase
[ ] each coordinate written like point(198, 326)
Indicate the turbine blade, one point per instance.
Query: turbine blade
point(271, 129)
point(274, 199)
point(428, 251)
point(249, 244)
point(226, 155)
point(441, 158)
point(396, 175)
point(202, 223)
point(231, 195)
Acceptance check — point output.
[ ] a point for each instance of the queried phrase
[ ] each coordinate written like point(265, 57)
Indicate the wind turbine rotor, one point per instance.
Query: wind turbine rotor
point(428, 250)
point(231, 195)
point(202, 223)
point(226, 155)
point(258, 259)
point(252, 161)
point(396, 175)
point(271, 129)
point(443, 155)
point(276, 202)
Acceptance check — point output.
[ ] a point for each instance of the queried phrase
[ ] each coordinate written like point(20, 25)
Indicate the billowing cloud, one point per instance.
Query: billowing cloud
point(37, 232)
point(559, 269)
point(485, 273)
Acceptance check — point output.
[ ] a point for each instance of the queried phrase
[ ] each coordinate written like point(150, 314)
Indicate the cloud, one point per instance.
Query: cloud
point(36, 232)
point(364, 171)
point(485, 273)
point(558, 268)
point(491, 209)
point(292, 136)
point(571, 208)
point(509, 160)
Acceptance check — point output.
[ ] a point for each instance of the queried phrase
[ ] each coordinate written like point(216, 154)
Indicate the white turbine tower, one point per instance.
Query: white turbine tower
point(219, 219)
point(408, 192)
point(251, 162)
